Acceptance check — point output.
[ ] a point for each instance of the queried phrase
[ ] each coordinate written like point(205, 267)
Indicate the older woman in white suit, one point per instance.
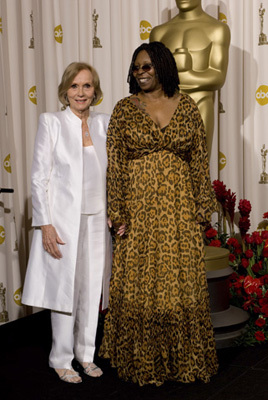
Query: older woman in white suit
point(70, 260)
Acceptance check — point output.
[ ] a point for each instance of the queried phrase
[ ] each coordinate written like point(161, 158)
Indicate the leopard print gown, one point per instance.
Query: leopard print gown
point(158, 326)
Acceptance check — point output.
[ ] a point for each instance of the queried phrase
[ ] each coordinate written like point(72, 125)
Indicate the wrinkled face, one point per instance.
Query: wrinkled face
point(81, 92)
point(188, 5)
point(144, 72)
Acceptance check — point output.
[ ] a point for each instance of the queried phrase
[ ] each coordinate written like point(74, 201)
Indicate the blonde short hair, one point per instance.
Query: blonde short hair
point(67, 79)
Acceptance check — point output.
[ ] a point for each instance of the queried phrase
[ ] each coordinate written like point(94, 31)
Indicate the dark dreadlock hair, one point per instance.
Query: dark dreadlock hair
point(164, 65)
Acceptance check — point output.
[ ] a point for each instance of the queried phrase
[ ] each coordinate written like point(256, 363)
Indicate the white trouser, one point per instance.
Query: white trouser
point(73, 335)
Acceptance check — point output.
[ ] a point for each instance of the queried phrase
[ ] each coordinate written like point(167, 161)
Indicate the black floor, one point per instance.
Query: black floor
point(24, 372)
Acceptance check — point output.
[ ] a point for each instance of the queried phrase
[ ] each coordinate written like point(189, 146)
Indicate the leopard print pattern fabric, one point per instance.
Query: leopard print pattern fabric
point(158, 326)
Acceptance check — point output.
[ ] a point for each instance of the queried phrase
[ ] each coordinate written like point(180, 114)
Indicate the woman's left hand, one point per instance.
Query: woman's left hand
point(121, 230)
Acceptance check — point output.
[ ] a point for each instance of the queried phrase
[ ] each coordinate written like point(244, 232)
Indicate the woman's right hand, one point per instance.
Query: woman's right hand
point(51, 240)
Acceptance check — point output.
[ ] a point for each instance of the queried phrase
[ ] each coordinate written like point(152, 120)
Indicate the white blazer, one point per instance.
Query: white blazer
point(57, 174)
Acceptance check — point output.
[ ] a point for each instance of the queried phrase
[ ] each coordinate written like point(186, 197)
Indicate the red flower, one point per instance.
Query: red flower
point(248, 239)
point(263, 301)
point(231, 257)
point(215, 243)
point(260, 322)
point(211, 232)
point(257, 267)
point(236, 282)
point(265, 215)
point(264, 279)
point(257, 238)
point(264, 234)
point(251, 284)
point(221, 193)
point(238, 250)
point(233, 242)
point(257, 310)
point(244, 208)
point(259, 293)
point(247, 304)
point(245, 262)
point(244, 225)
point(234, 276)
point(249, 253)
point(220, 190)
point(230, 204)
point(264, 310)
point(265, 249)
point(259, 335)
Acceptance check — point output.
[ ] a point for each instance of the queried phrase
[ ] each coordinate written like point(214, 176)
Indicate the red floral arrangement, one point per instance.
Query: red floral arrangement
point(249, 259)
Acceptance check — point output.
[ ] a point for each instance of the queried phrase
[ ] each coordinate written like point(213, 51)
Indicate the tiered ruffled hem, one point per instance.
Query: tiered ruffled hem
point(150, 347)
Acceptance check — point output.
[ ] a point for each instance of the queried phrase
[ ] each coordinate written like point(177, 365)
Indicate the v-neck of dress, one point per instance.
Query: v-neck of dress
point(149, 116)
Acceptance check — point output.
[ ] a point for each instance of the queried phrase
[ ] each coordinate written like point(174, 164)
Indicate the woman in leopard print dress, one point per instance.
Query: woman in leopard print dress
point(158, 326)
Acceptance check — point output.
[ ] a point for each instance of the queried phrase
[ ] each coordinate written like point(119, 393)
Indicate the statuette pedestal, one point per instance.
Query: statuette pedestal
point(228, 321)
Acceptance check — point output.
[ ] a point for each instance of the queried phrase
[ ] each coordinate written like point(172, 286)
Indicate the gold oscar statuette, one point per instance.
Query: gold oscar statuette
point(3, 312)
point(31, 45)
point(96, 40)
point(262, 36)
point(264, 175)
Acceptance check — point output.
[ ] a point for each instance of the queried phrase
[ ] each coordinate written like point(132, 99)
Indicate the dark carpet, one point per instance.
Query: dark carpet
point(25, 374)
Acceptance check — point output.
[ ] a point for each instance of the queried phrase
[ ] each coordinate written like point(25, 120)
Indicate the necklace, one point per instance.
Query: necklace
point(85, 128)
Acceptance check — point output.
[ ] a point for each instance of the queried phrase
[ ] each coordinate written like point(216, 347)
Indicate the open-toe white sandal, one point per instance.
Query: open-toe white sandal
point(93, 370)
point(68, 375)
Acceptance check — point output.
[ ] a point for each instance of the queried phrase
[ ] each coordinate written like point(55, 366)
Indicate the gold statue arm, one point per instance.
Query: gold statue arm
point(212, 76)
point(202, 65)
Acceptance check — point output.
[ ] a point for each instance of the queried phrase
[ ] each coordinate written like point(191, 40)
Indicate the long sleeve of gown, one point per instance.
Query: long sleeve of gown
point(204, 195)
point(117, 166)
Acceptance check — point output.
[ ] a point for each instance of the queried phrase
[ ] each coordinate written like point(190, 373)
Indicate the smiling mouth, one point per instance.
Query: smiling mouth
point(143, 80)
